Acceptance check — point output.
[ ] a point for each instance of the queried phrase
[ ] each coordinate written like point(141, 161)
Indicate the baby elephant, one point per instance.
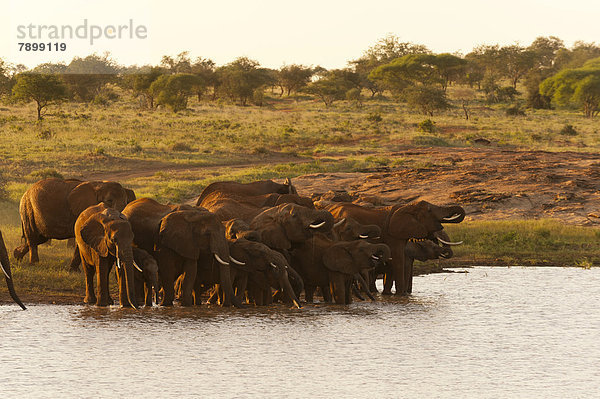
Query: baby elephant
point(147, 277)
point(104, 235)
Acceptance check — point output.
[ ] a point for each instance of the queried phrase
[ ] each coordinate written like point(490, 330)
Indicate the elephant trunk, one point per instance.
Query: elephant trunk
point(284, 282)
point(295, 281)
point(220, 251)
point(370, 231)
point(5, 266)
point(125, 254)
point(322, 221)
point(453, 214)
point(384, 251)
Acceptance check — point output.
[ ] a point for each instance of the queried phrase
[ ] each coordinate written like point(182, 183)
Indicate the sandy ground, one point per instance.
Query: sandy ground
point(490, 183)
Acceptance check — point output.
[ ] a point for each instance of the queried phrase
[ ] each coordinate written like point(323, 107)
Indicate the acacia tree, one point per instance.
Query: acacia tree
point(292, 78)
point(139, 81)
point(332, 86)
point(44, 89)
point(576, 87)
point(241, 78)
point(427, 99)
point(174, 90)
point(86, 77)
point(516, 62)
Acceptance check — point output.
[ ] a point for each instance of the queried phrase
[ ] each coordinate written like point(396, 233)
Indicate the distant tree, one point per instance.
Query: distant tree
point(4, 78)
point(331, 87)
point(578, 87)
point(292, 78)
point(139, 80)
point(44, 89)
point(204, 68)
point(449, 68)
point(178, 64)
point(383, 52)
point(516, 62)
point(85, 77)
point(576, 56)
point(544, 50)
point(354, 95)
point(174, 90)
point(239, 79)
point(465, 96)
point(426, 99)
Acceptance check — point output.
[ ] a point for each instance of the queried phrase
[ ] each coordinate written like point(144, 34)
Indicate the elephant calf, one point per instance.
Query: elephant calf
point(146, 276)
point(103, 236)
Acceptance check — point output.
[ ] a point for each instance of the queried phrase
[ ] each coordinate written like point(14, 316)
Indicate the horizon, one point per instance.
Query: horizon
point(275, 34)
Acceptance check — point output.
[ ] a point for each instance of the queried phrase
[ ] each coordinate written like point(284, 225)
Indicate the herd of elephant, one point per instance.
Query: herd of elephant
point(237, 243)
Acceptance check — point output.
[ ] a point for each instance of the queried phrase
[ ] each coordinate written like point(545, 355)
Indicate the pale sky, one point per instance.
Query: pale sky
point(277, 32)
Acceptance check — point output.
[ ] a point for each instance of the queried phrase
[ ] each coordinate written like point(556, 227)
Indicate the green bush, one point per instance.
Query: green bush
point(374, 117)
point(514, 111)
point(568, 130)
point(427, 126)
point(3, 190)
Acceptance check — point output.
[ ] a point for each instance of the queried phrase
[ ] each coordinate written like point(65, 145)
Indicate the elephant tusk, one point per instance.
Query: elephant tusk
point(273, 265)
point(444, 256)
point(449, 243)
point(221, 261)
point(363, 236)
point(4, 271)
point(297, 304)
point(316, 226)
point(455, 216)
point(339, 223)
point(237, 262)
point(118, 263)
point(375, 257)
point(137, 267)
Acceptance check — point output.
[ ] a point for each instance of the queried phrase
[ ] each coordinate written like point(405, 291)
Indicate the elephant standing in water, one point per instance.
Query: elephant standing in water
point(398, 224)
point(50, 207)
point(182, 239)
point(5, 266)
point(104, 235)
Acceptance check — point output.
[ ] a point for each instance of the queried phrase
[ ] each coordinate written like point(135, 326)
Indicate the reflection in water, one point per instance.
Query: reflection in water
point(492, 332)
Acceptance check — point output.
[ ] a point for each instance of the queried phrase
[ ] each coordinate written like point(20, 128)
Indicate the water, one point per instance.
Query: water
point(488, 333)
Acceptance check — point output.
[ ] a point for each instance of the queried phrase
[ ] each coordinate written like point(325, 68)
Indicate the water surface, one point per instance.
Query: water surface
point(489, 333)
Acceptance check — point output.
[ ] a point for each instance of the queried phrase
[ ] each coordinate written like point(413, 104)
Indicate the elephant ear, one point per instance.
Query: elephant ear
point(274, 237)
point(82, 197)
point(176, 233)
point(130, 195)
point(93, 234)
point(404, 225)
point(337, 258)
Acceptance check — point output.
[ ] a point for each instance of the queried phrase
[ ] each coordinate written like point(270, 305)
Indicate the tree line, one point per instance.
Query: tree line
point(549, 73)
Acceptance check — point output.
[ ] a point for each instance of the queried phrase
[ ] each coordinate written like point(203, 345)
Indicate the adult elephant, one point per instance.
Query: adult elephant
point(398, 224)
point(421, 250)
point(227, 206)
point(182, 239)
point(348, 229)
point(316, 262)
point(248, 189)
point(103, 236)
point(257, 268)
point(5, 266)
point(50, 207)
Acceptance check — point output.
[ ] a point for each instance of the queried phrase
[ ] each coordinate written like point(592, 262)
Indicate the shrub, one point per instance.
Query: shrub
point(568, 130)
point(374, 117)
point(514, 111)
point(258, 97)
point(430, 141)
point(427, 126)
point(45, 134)
point(183, 147)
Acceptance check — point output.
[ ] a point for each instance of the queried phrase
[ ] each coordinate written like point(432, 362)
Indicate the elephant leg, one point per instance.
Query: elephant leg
point(348, 284)
point(102, 277)
point(20, 251)
point(326, 292)
point(75, 261)
point(147, 294)
point(309, 291)
point(267, 295)
point(338, 289)
point(90, 296)
point(33, 254)
point(190, 268)
point(398, 268)
point(388, 282)
point(408, 277)
point(166, 276)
